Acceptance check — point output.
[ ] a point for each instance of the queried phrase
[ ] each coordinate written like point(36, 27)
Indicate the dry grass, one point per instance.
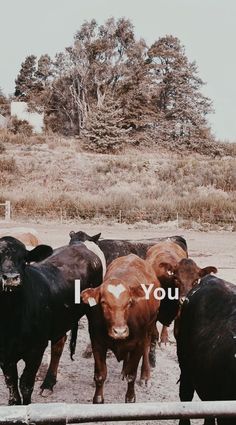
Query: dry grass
point(57, 179)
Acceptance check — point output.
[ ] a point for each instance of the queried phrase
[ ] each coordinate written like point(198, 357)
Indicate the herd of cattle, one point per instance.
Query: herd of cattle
point(37, 305)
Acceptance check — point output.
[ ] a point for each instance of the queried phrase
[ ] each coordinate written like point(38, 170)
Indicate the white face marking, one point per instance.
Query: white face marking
point(116, 290)
point(96, 250)
point(91, 301)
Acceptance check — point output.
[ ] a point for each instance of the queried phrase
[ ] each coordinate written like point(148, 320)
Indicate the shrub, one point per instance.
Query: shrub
point(20, 126)
point(2, 147)
point(8, 165)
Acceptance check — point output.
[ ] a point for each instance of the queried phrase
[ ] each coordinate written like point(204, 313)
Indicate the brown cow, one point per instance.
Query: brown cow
point(123, 320)
point(29, 237)
point(164, 258)
point(187, 274)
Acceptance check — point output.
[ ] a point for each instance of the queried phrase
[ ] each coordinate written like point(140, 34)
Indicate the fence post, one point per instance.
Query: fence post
point(177, 220)
point(7, 211)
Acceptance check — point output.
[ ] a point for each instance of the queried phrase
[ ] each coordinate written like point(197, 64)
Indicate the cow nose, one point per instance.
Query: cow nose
point(10, 281)
point(120, 332)
point(10, 276)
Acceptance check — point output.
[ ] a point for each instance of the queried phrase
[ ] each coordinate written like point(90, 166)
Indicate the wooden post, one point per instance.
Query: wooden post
point(7, 211)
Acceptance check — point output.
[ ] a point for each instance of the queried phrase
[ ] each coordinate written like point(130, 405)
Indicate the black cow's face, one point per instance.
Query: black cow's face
point(82, 237)
point(13, 258)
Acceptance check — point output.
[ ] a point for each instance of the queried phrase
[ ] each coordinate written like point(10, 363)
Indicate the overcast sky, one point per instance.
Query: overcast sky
point(206, 28)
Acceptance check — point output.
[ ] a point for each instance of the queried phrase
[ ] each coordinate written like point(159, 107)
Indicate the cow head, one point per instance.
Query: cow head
point(116, 299)
point(82, 237)
point(187, 274)
point(13, 258)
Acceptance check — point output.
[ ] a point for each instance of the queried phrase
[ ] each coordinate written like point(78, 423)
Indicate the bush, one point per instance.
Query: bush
point(20, 126)
point(8, 165)
point(2, 147)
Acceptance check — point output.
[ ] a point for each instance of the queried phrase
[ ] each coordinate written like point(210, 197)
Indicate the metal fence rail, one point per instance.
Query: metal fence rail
point(62, 414)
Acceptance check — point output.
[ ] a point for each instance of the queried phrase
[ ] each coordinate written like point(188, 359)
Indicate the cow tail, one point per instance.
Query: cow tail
point(73, 339)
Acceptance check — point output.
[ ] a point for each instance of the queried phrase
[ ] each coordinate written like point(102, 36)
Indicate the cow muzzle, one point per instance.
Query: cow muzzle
point(119, 332)
point(10, 281)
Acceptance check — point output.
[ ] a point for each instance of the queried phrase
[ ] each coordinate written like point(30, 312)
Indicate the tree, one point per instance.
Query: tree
point(25, 81)
point(179, 99)
point(4, 105)
point(156, 89)
point(104, 129)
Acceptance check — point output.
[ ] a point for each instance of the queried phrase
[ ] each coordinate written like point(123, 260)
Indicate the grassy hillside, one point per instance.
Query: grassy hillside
point(54, 178)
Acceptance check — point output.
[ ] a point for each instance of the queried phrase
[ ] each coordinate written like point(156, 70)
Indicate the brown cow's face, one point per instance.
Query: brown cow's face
point(187, 275)
point(116, 299)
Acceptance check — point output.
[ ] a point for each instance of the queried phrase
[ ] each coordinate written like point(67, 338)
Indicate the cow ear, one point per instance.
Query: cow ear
point(167, 268)
point(72, 233)
point(91, 296)
point(39, 253)
point(95, 237)
point(207, 270)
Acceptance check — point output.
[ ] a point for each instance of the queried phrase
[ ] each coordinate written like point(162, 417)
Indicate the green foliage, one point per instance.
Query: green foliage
point(157, 88)
point(4, 105)
point(104, 129)
point(25, 81)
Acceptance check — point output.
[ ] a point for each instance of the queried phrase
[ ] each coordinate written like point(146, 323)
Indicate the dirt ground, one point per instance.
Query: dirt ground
point(75, 379)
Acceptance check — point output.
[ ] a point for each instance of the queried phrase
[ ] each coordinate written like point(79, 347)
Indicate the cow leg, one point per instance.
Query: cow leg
point(152, 351)
point(186, 391)
point(145, 368)
point(100, 372)
point(164, 335)
point(27, 380)
point(176, 327)
point(87, 353)
point(209, 421)
point(51, 376)
point(11, 379)
point(123, 373)
point(131, 373)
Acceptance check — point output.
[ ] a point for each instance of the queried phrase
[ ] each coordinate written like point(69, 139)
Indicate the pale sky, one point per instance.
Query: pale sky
point(206, 28)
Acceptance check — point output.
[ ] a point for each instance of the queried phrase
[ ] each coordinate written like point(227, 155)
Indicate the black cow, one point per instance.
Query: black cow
point(206, 344)
point(114, 248)
point(37, 305)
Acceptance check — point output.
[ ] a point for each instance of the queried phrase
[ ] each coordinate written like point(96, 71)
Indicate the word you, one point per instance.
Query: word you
point(157, 293)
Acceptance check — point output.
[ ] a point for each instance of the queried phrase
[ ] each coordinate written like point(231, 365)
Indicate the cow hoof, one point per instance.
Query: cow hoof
point(46, 392)
point(14, 402)
point(87, 353)
point(144, 382)
point(161, 343)
point(130, 399)
point(98, 400)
